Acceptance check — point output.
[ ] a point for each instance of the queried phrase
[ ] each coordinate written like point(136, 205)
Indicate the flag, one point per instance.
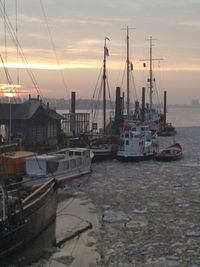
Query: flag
point(106, 51)
point(131, 66)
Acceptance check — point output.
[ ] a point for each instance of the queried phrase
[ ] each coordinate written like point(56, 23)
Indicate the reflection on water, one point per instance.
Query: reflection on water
point(32, 251)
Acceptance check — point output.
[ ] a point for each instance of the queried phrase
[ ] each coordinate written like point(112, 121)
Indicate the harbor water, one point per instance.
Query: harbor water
point(143, 214)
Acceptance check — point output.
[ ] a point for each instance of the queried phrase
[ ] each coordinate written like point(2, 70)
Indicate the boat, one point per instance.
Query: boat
point(100, 140)
point(102, 149)
point(63, 165)
point(137, 142)
point(12, 163)
point(24, 214)
point(166, 130)
point(173, 152)
point(152, 115)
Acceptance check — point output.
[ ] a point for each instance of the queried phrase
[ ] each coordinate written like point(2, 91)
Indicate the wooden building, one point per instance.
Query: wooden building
point(34, 123)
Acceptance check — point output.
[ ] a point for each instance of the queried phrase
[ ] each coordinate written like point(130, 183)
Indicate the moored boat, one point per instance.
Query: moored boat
point(102, 151)
point(173, 152)
point(24, 215)
point(102, 148)
point(12, 163)
point(137, 143)
point(167, 130)
point(62, 165)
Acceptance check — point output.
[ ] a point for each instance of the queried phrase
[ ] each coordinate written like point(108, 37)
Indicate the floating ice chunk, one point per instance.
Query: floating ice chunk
point(138, 211)
point(112, 217)
point(193, 233)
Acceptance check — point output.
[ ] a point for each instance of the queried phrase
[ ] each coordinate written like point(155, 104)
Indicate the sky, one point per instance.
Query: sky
point(63, 41)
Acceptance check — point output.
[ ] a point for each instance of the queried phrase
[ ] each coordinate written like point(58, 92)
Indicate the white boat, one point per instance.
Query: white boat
point(137, 142)
point(62, 165)
point(102, 151)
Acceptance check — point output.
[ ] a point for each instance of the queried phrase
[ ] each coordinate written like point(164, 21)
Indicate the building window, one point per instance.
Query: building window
point(51, 130)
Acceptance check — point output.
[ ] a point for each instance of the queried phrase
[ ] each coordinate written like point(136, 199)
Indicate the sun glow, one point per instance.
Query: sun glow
point(9, 90)
point(33, 66)
point(96, 64)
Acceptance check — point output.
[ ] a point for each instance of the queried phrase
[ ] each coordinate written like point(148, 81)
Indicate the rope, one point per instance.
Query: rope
point(53, 46)
point(17, 44)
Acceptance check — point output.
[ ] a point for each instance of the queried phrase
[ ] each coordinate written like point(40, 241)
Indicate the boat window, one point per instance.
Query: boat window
point(71, 153)
point(65, 165)
point(127, 135)
point(52, 166)
point(127, 142)
point(87, 154)
point(79, 161)
point(77, 153)
point(72, 163)
point(131, 135)
point(133, 129)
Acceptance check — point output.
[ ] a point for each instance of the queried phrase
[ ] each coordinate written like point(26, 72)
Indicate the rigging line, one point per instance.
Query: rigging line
point(16, 42)
point(75, 245)
point(109, 92)
point(53, 46)
point(72, 215)
point(97, 102)
point(98, 98)
point(94, 93)
point(16, 29)
point(122, 81)
point(122, 62)
point(107, 83)
point(66, 206)
point(5, 29)
point(134, 87)
point(9, 80)
point(157, 96)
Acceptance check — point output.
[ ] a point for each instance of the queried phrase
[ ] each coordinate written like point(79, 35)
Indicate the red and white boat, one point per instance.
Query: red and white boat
point(172, 152)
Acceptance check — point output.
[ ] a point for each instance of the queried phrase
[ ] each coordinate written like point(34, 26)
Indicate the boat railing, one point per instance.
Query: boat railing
point(11, 215)
point(37, 193)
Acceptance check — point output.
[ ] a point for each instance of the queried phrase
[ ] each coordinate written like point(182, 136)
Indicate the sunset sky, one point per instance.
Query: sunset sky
point(63, 43)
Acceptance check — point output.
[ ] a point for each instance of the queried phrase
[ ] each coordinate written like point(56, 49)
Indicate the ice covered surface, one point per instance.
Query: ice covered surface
point(148, 212)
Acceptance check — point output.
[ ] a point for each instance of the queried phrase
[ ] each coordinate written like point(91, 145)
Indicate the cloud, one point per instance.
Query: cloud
point(191, 23)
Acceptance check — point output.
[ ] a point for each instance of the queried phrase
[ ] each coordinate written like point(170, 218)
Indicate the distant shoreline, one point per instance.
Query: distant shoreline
point(85, 104)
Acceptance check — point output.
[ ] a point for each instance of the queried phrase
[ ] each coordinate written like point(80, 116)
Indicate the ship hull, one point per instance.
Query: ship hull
point(38, 215)
point(135, 158)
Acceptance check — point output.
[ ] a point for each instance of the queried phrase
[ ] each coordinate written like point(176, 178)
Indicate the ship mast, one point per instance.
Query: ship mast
point(104, 83)
point(128, 72)
point(128, 67)
point(150, 74)
point(151, 79)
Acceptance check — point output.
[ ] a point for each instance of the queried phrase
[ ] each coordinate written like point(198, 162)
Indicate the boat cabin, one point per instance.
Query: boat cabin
point(59, 162)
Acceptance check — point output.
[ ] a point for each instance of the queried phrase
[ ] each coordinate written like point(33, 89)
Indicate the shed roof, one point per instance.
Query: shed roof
point(26, 110)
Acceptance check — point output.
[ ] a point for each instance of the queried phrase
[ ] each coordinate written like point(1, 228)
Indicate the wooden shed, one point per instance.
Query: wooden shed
point(33, 122)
